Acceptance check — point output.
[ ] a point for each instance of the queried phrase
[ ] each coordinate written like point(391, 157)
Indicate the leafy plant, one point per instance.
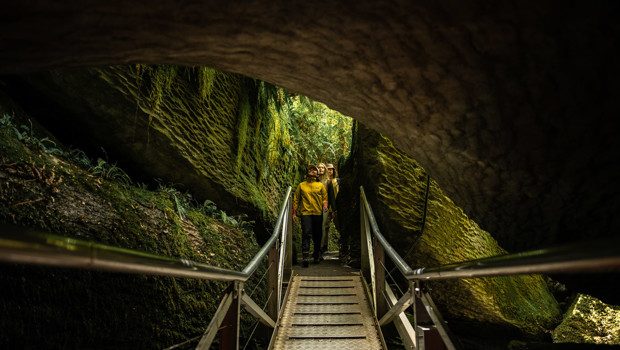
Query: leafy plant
point(78, 157)
point(26, 134)
point(110, 171)
point(47, 145)
point(6, 122)
point(208, 208)
point(182, 202)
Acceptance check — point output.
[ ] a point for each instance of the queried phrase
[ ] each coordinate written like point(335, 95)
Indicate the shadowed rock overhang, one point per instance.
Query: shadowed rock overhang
point(510, 106)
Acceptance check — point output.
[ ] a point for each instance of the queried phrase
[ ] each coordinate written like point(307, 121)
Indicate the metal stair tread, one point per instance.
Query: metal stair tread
point(324, 318)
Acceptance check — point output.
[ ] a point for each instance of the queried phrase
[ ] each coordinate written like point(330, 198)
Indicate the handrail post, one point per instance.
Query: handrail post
point(288, 260)
point(364, 232)
point(273, 283)
point(415, 289)
point(379, 255)
point(229, 331)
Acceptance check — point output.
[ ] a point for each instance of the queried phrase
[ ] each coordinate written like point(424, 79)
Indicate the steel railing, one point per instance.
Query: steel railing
point(23, 245)
point(595, 256)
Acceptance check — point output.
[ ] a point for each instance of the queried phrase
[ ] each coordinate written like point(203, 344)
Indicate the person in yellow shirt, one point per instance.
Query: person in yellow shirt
point(310, 201)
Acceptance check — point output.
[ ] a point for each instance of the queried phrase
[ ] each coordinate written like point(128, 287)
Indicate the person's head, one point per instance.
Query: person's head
point(321, 168)
point(313, 171)
point(331, 170)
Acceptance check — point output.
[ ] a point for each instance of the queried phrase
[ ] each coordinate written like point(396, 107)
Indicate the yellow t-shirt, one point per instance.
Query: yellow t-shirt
point(309, 198)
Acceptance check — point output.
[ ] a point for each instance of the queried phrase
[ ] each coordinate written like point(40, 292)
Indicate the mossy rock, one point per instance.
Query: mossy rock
point(395, 185)
point(47, 307)
point(211, 133)
point(588, 320)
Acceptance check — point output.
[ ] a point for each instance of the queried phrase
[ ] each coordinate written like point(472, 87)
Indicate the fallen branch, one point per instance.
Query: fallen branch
point(26, 202)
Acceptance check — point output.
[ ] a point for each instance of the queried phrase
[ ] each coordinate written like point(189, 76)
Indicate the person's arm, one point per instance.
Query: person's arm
point(295, 201)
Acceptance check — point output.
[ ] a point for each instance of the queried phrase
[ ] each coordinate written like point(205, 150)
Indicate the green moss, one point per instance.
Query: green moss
point(65, 308)
point(223, 137)
point(395, 185)
point(588, 320)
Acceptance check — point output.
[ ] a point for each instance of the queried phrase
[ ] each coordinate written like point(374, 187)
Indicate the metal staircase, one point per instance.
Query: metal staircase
point(327, 313)
point(321, 311)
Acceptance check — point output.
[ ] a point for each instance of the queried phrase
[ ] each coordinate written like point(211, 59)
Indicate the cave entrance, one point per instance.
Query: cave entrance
point(320, 136)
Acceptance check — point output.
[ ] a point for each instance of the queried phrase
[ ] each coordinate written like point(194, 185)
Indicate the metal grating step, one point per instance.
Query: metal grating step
point(327, 332)
point(326, 344)
point(327, 319)
point(319, 298)
point(327, 313)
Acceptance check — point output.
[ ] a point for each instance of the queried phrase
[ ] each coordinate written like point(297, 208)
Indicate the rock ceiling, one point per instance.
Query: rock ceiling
point(510, 106)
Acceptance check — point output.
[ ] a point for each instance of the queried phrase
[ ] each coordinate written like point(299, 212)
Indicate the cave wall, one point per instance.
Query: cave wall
point(510, 106)
point(211, 133)
point(513, 307)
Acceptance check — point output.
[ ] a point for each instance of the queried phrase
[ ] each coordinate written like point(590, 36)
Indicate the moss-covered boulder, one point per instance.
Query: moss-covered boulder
point(395, 186)
point(46, 307)
point(212, 133)
point(588, 320)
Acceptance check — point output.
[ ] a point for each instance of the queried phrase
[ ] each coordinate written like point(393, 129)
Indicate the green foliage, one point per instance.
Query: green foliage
point(240, 222)
point(206, 80)
point(25, 134)
point(84, 309)
point(182, 201)
point(110, 171)
point(79, 158)
point(245, 111)
point(208, 208)
point(319, 133)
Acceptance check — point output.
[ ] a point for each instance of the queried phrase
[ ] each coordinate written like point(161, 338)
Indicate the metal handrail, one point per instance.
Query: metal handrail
point(24, 245)
point(253, 264)
point(599, 255)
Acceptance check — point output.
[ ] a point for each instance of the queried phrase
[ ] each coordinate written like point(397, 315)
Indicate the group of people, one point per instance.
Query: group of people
point(315, 203)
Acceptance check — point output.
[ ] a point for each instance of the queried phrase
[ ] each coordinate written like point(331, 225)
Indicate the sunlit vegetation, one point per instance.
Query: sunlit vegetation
point(320, 134)
point(255, 138)
point(314, 132)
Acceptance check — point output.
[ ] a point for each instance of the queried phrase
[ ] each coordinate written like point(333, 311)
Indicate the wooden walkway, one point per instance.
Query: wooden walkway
point(327, 308)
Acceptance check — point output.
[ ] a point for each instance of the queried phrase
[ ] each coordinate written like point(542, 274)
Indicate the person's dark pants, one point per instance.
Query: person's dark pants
point(311, 229)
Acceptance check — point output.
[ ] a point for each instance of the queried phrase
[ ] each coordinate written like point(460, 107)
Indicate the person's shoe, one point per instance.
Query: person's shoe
point(305, 263)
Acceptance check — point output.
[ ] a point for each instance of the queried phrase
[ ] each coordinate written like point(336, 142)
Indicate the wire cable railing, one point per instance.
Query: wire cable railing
point(594, 256)
point(28, 246)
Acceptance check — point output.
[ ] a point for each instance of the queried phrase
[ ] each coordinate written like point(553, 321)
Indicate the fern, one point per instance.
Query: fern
point(110, 171)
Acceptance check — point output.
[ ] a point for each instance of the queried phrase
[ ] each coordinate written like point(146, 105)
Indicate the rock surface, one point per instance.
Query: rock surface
point(590, 321)
point(214, 146)
point(52, 307)
point(395, 185)
point(510, 106)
